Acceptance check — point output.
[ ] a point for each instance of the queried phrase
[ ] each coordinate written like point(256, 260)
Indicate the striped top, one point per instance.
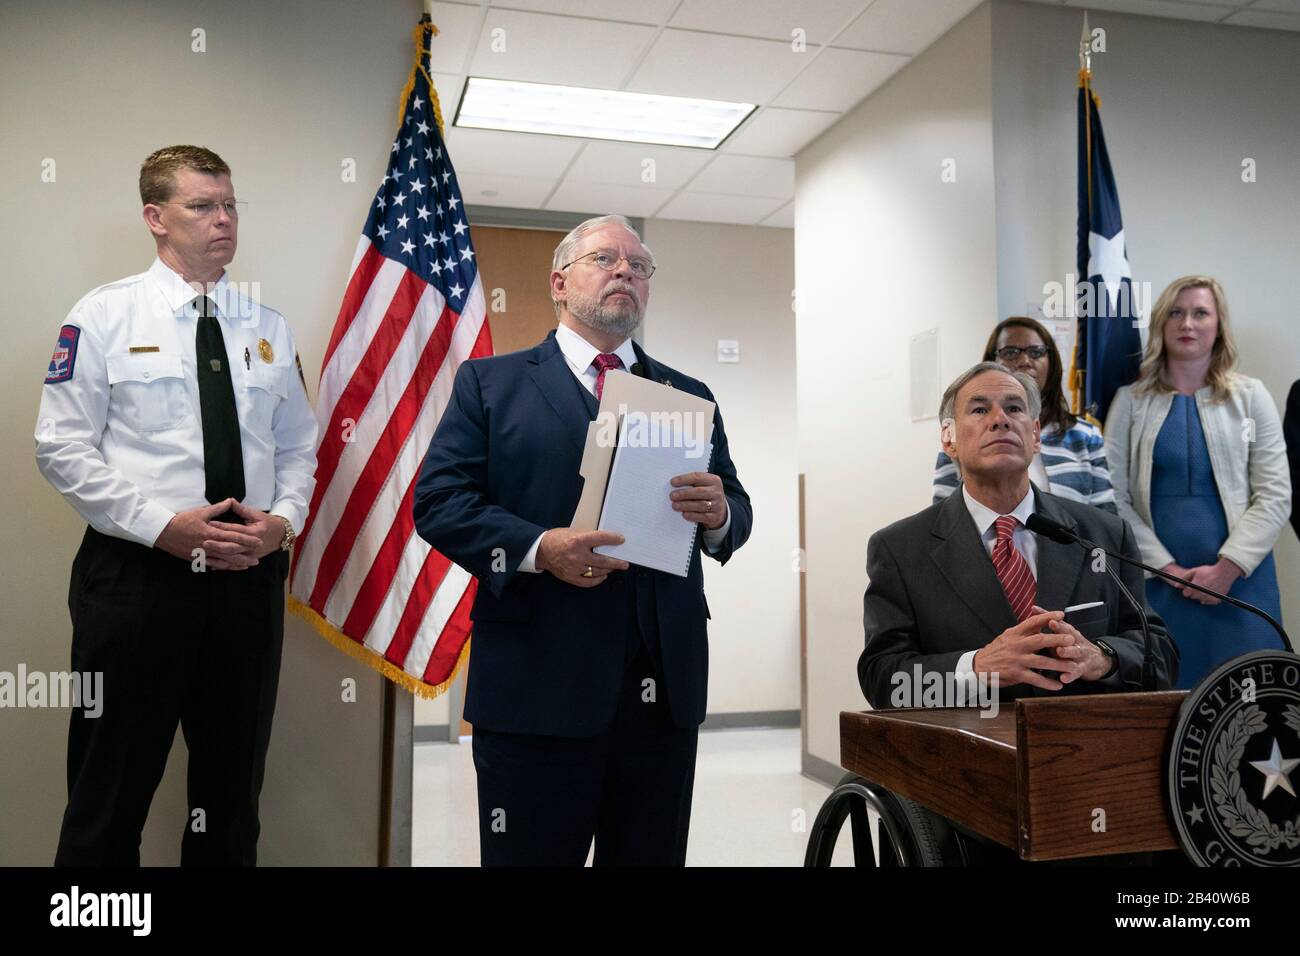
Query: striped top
point(1075, 461)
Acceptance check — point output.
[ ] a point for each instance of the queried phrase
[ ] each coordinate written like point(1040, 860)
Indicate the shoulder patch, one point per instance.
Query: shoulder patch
point(65, 356)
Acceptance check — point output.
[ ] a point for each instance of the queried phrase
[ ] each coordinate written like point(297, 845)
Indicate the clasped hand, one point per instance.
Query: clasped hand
point(225, 546)
point(1013, 654)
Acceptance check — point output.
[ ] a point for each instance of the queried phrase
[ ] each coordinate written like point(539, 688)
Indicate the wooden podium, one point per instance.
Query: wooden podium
point(1032, 777)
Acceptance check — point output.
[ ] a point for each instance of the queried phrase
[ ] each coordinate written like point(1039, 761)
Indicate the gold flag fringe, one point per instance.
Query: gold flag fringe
point(421, 50)
point(368, 657)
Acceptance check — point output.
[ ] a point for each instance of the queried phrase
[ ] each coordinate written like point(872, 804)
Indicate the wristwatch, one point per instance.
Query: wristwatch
point(287, 541)
point(1114, 658)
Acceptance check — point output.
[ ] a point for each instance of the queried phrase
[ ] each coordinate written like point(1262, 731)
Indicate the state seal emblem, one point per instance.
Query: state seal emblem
point(1234, 765)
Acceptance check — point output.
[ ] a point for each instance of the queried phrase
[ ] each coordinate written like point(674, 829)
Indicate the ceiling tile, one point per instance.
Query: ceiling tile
point(1265, 18)
point(457, 26)
point(838, 79)
point(747, 176)
point(538, 47)
point(603, 198)
point(715, 67)
point(449, 86)
point(624, 164)
point(522, 192)
point(773, 19)
point(904, 26)
point(777, 132)
point(1278, 6)
point(782, 218)
point(1155, 8)
point(624, 11)
point(510, 154)
point(711, 207)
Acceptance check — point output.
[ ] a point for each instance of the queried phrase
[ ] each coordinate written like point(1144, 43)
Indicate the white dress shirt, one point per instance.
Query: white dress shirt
point(1022, 539)
point(581, 355)
point(121, 437)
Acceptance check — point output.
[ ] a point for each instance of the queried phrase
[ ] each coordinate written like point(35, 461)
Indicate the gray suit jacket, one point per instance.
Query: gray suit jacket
point(933, 595)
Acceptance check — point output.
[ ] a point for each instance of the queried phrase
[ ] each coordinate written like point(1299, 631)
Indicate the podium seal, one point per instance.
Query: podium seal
point(1234, 766)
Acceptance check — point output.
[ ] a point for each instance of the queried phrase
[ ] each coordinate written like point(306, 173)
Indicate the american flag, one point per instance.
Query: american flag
point(413, 311)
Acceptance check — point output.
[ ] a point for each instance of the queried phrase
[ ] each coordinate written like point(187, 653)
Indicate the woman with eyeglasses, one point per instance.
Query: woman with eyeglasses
point(1201, 476)
point(1072, 463)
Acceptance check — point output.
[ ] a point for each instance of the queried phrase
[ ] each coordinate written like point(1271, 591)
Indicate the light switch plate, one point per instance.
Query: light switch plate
point(728, 350)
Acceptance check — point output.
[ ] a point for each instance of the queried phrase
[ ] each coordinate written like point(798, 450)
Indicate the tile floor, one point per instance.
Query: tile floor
point(752, 806)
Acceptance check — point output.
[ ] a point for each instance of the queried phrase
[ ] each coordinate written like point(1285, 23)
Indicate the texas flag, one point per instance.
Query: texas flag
point(1108, 344)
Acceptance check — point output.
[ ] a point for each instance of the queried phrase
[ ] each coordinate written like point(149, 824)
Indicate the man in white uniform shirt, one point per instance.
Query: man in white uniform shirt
point(174, 420)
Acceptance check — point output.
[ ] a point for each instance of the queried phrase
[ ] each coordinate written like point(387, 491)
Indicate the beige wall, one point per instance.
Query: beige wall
point(286, 92)
point(1178, 128)
point(735, 282)
point(883, 249)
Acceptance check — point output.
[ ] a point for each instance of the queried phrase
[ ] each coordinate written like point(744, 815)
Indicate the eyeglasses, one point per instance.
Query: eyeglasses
point(1009, 353)
point(608, 260)
point(205, 209)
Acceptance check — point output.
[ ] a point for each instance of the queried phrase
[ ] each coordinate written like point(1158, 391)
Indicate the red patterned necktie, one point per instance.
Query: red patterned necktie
point(1013, 570)
point(604, 362)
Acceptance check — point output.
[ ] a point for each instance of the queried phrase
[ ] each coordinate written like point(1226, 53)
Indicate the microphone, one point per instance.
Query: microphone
point(1040, 524)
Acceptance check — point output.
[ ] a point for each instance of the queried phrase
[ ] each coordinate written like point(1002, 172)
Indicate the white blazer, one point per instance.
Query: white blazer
point(1247, 456)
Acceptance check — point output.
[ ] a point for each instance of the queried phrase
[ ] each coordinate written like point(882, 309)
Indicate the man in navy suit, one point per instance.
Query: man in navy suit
point(588, 679)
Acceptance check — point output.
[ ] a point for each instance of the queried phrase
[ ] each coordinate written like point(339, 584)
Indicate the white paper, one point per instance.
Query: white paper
point(642, 401)
point(637, 504)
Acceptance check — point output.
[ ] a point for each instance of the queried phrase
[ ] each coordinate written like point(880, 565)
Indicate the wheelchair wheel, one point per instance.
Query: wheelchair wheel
point(887, 830)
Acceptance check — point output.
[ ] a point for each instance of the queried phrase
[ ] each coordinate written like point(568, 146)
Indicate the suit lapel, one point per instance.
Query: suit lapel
point(1059, 565)
point(961, 558)
point(555, 380)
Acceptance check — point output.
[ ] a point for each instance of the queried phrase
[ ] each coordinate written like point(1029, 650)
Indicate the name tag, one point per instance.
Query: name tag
point(136, 349)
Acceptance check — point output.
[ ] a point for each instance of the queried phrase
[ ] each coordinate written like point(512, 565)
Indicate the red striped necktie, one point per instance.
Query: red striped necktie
point(1013, 570)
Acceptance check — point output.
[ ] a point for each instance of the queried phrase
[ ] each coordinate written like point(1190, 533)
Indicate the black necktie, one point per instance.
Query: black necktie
point(223, 455)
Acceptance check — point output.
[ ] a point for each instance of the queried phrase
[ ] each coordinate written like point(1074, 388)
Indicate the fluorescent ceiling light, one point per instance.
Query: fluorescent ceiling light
point(597, 114)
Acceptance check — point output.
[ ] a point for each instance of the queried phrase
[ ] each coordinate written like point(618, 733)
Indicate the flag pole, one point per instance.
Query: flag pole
point(1085, 83)
point(397, 744)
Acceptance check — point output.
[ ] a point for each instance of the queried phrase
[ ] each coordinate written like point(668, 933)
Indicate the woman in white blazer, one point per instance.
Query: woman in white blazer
point(1200, 472)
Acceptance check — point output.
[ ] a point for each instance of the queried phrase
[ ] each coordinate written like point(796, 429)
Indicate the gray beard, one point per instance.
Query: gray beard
point(609, 321)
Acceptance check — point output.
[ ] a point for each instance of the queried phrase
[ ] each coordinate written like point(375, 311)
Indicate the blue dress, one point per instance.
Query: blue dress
point(1188, 518)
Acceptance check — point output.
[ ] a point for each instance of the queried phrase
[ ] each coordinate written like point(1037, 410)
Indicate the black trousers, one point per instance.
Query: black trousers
point(174, 646)
point(542, 799)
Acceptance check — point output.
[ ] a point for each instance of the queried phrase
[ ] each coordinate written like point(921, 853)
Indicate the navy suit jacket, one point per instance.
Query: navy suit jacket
point(548, 657)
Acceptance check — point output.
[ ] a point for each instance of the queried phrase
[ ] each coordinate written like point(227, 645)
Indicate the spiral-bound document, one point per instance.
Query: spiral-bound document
point(637, 503)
